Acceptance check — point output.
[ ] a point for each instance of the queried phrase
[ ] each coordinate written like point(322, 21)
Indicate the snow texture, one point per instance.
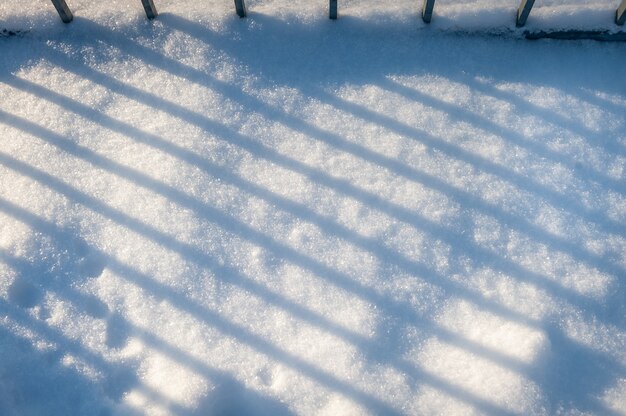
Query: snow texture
point(283, 214)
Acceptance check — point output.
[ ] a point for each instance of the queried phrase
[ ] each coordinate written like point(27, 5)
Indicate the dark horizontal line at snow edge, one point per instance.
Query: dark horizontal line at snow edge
point(571, 34)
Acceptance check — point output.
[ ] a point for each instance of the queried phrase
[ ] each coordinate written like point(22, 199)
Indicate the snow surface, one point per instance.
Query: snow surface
point(284, 214)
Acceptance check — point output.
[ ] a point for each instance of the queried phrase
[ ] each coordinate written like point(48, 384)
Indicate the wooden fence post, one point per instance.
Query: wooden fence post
point(332, 9)
point(427, 10)
point(63, 10)
point(148, 6)
point(240, 8)
point(620, 13)
point(523, 11)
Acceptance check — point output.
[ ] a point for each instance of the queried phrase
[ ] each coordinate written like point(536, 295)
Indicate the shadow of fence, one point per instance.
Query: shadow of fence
point(353, 65)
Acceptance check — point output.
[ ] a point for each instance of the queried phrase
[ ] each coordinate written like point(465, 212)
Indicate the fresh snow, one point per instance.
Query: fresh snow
point(284, 214)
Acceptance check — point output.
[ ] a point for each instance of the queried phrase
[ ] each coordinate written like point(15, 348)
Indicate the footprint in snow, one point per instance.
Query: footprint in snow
point(24, 294)
point(92, 265)
point(117, 331)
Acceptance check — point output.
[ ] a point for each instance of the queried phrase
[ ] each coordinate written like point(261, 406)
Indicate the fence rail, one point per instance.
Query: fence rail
point(427, 10)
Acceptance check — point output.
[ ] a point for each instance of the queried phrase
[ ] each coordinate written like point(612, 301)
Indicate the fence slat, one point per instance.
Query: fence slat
point(427, 10)
point(523, 11)
point(332, 9)
point(63, 10)
point(240, 8)
point(620, 13)
point(148, 6)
